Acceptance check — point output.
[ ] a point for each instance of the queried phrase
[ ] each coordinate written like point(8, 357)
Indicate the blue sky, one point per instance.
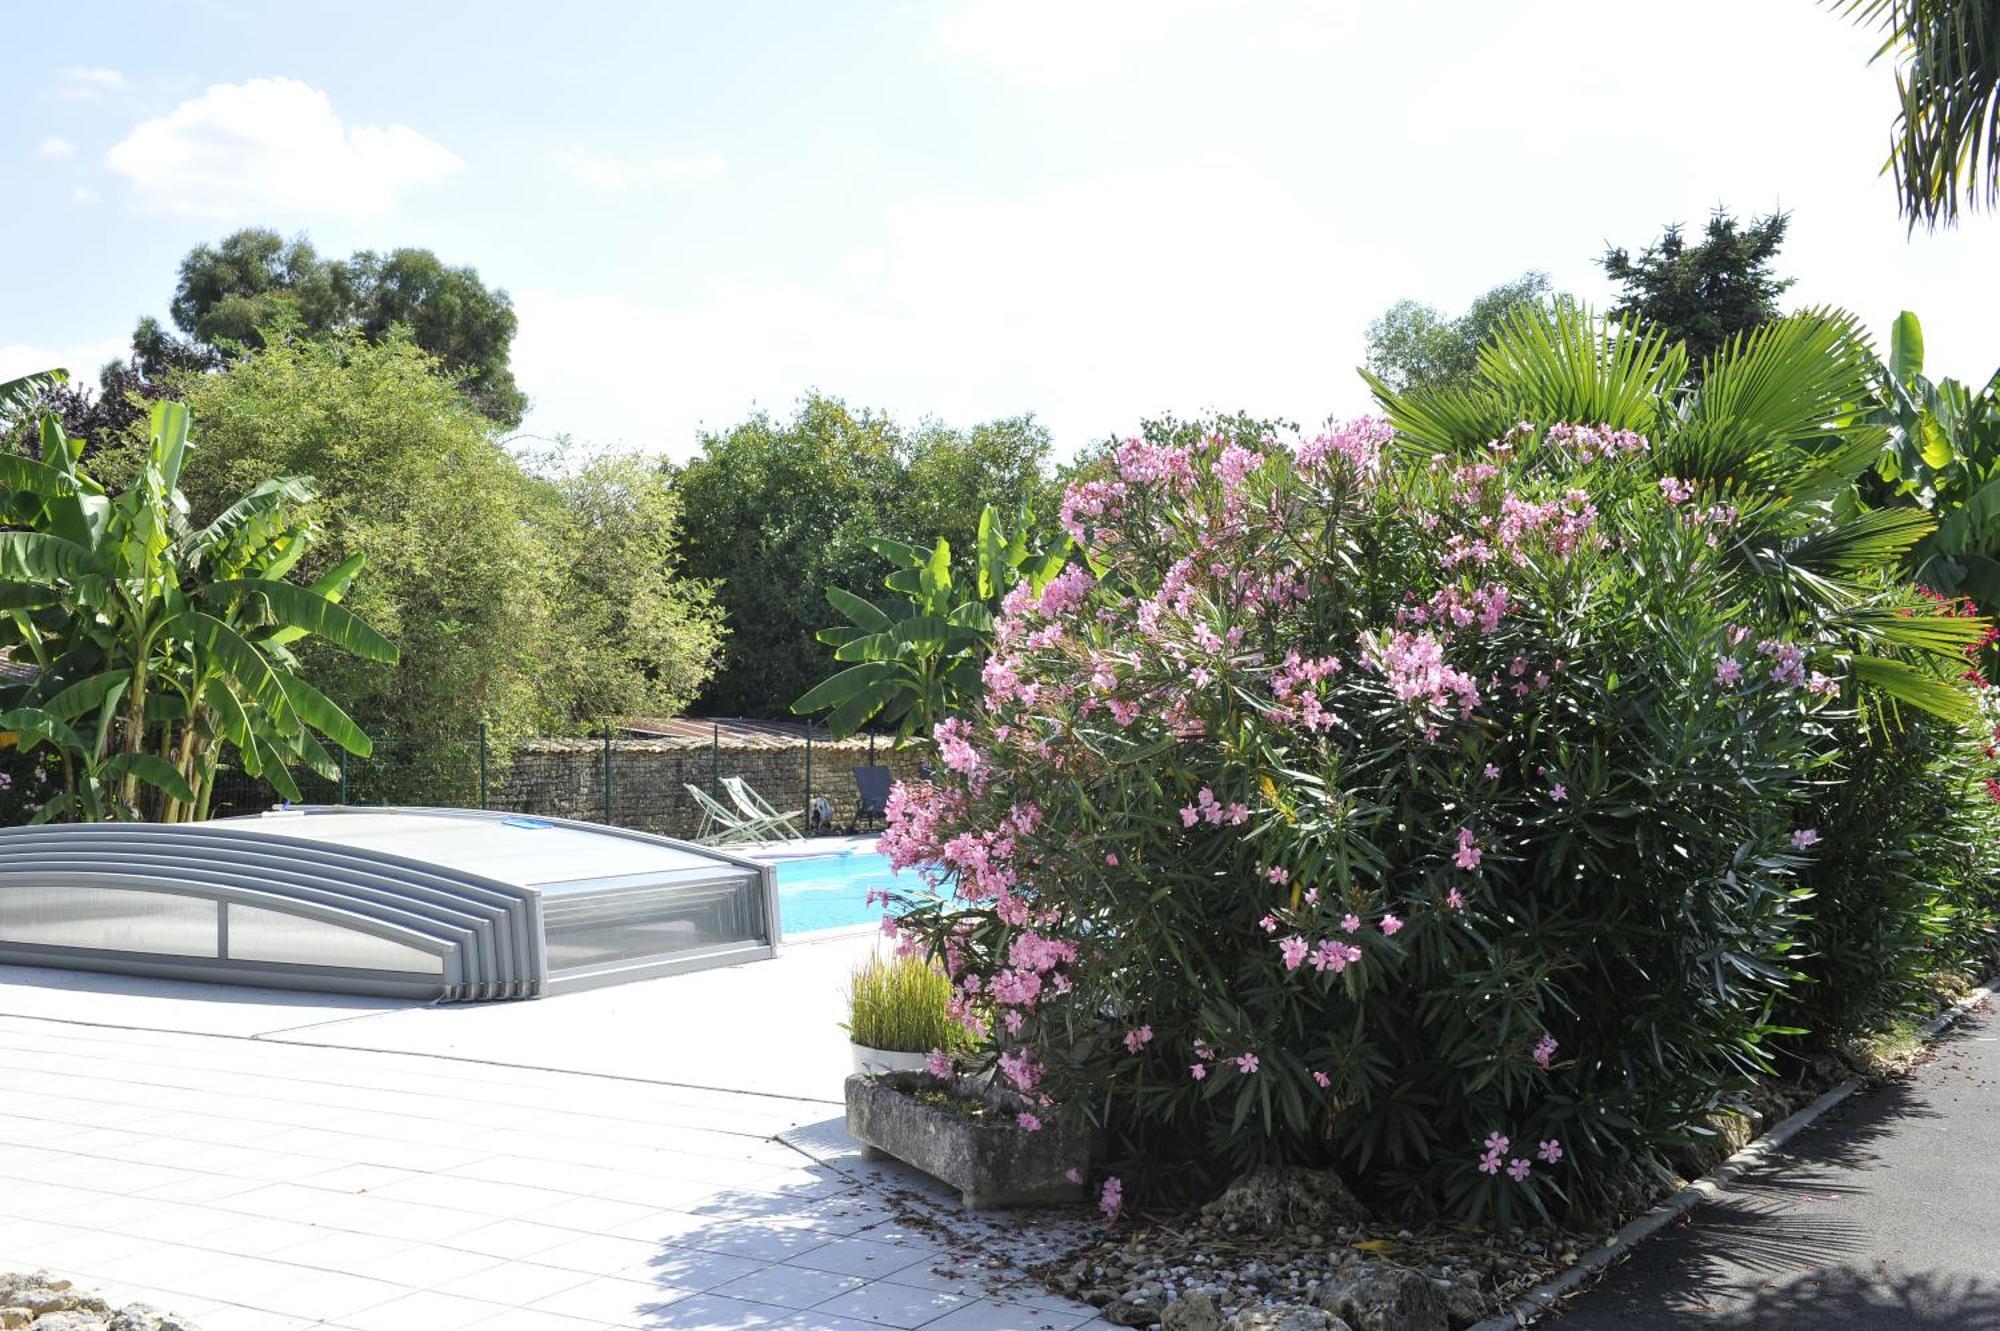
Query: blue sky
point(1089, 209)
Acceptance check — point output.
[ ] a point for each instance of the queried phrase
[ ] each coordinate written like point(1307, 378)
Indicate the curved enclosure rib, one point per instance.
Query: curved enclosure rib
point(441, 904)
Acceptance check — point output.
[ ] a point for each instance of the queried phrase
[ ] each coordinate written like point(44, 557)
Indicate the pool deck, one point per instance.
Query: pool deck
point(664, 1154)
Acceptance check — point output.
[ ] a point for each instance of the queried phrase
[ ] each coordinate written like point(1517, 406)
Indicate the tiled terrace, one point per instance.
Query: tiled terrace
point(218, 1153)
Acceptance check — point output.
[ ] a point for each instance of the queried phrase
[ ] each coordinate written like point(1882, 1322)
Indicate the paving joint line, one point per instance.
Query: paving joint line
point(1547, 1296)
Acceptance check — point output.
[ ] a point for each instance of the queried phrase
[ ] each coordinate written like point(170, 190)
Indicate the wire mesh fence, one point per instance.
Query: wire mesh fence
point(640, 782)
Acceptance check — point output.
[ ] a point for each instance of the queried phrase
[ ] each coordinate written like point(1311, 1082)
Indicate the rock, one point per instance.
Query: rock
point(1462, 1303)
point(1271, 1198)
point(67, 1321)
point(12, 1319)
point(1287, 1319)
point(1381, 1296)
point(1192, 1312)
point(1131, 1310)
point(1730, 1132)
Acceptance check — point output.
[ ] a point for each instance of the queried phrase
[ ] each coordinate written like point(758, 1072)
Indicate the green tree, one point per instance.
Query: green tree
point(777, 510)
point(1416, 346)
point(253, 282)
point(159, 645)
point(1946, 142)
point(1703, 294)
point(638, 638)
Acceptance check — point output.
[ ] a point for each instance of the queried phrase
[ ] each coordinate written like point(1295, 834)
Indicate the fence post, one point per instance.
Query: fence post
point(809, 776)
point(607, 775)
point(482, 764)
point(715, 761)
point(341, 754)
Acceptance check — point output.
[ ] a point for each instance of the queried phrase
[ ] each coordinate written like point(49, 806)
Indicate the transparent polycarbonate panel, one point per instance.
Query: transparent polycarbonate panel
point(256, 934)
point(595, 928)
point(115, 919)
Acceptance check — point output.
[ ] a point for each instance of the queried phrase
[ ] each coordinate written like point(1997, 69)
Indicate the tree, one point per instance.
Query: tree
point(778, 510)
point(638, 638)
point(1946, 141)
point(159, 645)
point(232, 294)
point(483, 574)
point(1416, 346)
point(1706, 293)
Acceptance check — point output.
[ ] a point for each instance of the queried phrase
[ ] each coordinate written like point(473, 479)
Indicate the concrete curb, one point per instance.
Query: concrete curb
point(1544, 1297)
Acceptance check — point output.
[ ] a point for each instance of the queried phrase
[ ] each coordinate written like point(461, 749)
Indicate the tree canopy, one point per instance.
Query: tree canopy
point(1703, 293)
point(777, 510)
point(252, 282)
point(1416, 346)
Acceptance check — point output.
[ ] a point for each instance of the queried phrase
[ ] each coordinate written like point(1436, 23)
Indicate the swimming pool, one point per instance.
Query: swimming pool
point(828, 891)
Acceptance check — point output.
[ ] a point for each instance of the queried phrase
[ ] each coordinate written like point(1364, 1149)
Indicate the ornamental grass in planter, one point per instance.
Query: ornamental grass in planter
point(898, 1013)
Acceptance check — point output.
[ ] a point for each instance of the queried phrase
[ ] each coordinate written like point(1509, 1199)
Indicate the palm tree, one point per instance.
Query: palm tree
point(1947, 135)
point(1775, 429)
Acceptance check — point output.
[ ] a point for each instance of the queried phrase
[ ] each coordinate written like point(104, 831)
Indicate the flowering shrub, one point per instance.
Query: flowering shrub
point(1439, 818)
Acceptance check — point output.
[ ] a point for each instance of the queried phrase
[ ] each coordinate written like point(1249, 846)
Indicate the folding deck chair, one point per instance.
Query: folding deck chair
point(755, 808)
point(721, 825)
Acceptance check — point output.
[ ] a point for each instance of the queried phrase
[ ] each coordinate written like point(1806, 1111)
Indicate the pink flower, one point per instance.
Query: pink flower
point(1497, 1143)
point(1804, 837)
point(1391, 926)
point(1489, 1163)
point(1189, 815)
point(1111, 859)
point(1269, 924)
point(1137, 1039)
point(1517, 1169)
point(1455, 899)
point(1558, 792)
point(1468, 850)
point(1727, 671)
point(1551, 1150)
point(1492, 772)
point(1199, 1071)
point(938, 1064)
point(1246, 1063)
point(1294, 950)
point(1545, 1049)
point(1322, 1079)
point(1073, 1174)
point(1312, 896)
point(1112, 1199)
point(1349, 923)
point(1028, 1122)
point(1279, 874)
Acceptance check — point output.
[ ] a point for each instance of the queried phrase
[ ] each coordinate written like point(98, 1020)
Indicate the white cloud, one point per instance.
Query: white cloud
point(53, 146)
point(614, 173)
point(82, 360)
point(1063, 41)
point(83, 84)
point(80, 194)
point(271, 146)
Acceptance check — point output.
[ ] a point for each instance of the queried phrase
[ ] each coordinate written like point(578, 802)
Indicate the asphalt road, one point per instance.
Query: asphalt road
point(1883, 1215)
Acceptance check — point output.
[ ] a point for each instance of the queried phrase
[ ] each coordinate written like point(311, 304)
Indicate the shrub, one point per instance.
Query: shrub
point(1439, 819)
point(901, 1004)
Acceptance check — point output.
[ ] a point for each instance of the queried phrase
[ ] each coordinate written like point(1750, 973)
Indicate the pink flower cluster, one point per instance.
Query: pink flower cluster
point(1518, 1168)
point(1359, 444)
point(1208, 809)
point(1415, 667)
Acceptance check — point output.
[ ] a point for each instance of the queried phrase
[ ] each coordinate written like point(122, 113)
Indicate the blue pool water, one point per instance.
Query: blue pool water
point(828, 891)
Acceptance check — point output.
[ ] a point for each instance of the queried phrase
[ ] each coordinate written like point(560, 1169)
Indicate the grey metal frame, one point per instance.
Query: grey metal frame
point(489, 936)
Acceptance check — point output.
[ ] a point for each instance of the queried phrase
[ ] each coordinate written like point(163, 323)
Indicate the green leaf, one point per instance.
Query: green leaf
point(1906, 347)
point(35, 725)
point(839, 688)
point(1920, 689)
point(150, 768)
point(323, 715)
point(27, 556)
point(301, 608)
point(87, 695)
point(899, 553)
point(863, 613)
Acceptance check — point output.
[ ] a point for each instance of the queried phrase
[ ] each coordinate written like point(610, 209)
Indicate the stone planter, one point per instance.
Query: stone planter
point(870, 1061)
point(991, 1161)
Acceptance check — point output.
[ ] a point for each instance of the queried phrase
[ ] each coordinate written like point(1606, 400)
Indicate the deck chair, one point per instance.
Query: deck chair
point(721, 825)
point(757, 809)
point(871, 786)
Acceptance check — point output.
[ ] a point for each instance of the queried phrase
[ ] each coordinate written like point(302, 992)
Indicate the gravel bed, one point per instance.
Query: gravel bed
point(42, 1302)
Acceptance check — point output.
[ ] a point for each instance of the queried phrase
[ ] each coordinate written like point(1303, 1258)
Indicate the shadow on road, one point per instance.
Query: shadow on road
point(1850, 1299)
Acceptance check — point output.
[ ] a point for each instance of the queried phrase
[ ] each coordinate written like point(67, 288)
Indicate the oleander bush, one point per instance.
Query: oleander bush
point(1444, 815)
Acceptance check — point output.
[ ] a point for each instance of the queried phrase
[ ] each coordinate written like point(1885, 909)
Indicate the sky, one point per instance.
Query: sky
point(1092, 210)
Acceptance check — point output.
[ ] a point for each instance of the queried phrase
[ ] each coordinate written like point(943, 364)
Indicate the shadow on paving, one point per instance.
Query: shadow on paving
point(1882, 1215)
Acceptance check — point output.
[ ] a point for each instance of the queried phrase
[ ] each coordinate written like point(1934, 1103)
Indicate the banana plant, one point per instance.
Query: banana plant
point(1943, 456)
point(161, 647)
point(915, 662)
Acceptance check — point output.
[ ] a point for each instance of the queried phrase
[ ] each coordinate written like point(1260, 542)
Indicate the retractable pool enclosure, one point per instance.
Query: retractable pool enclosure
point(418, 903)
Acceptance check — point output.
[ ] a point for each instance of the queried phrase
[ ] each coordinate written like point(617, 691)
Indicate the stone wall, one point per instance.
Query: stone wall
point(564, 778)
